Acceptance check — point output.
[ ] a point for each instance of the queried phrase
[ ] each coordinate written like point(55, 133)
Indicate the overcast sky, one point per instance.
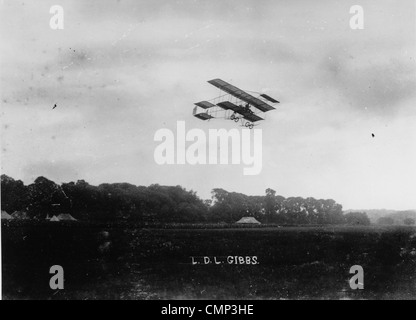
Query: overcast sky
point(121, 70)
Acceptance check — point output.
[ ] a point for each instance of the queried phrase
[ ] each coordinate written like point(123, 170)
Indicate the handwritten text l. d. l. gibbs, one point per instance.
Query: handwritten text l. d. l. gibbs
point(232, 260)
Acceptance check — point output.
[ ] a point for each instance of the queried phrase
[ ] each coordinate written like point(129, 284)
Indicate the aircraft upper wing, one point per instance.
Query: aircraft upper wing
point(242, 95)
point(265, 96)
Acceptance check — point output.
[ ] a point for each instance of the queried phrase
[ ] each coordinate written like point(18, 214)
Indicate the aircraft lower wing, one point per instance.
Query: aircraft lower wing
point(227, 105)
point(252, 117)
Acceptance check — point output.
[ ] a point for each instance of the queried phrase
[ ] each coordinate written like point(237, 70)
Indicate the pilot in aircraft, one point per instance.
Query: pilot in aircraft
point(247, 108)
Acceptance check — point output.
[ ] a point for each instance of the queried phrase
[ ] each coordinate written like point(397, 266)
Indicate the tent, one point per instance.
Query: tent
point(5, 215)
point(54, 219)
point(20, 215)
point(66, 217)
point(248, 220)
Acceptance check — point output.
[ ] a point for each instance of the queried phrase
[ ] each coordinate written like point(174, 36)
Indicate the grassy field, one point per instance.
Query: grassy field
point(137, 262)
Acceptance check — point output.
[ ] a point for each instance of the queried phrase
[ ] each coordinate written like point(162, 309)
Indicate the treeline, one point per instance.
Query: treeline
point(156, 203)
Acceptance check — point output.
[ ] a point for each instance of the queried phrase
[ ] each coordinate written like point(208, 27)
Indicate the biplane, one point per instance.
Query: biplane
point(236, 105)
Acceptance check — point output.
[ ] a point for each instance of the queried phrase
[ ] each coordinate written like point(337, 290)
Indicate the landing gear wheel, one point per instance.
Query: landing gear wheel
point(232, 117)
point(247, 124)
point(251, 126)
point(236, 119)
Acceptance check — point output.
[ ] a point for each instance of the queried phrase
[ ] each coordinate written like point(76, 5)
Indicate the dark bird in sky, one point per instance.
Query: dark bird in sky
point(373, 135)
point(54, 106)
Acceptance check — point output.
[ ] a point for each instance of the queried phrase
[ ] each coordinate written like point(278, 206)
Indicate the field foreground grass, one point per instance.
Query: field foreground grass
point(132, 262)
